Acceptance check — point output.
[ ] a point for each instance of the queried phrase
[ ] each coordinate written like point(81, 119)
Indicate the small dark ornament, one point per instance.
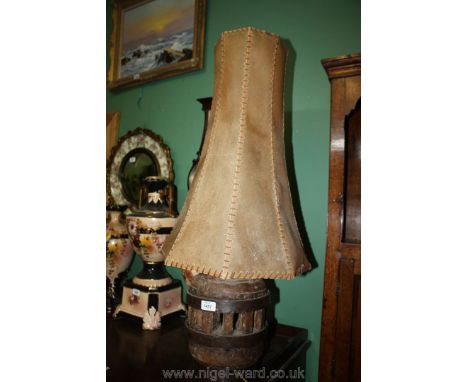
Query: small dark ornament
point(206, 107)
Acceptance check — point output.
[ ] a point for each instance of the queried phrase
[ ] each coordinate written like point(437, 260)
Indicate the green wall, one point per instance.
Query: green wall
point(315, 30)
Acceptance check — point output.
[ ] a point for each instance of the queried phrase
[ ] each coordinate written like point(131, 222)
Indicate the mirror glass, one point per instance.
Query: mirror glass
point(135, 167)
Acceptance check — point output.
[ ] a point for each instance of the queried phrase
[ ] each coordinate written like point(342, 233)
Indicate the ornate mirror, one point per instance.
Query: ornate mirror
point(138, 154)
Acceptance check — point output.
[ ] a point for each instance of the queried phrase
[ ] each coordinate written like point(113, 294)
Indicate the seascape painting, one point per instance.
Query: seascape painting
point(156, 34)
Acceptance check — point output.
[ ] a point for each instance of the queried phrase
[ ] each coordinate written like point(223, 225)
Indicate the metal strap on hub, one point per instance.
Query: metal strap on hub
point(226, 341)
point(230, 306)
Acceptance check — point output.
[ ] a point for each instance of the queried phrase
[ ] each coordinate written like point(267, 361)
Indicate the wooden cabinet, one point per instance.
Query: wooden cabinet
point(340, 343)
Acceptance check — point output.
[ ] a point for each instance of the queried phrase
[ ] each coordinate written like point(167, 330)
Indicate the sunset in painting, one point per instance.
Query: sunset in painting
point(155, 34)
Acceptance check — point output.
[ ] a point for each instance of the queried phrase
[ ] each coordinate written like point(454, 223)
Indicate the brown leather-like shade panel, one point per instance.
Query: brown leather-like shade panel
point(238, 219)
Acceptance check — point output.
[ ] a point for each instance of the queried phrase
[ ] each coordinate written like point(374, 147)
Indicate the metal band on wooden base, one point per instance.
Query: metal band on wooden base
point(226, 323)
point(229, 306)
point(240, 341)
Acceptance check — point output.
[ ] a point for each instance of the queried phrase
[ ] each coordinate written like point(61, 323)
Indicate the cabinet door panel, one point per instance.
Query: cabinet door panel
point(352, 208)
point(340, 342)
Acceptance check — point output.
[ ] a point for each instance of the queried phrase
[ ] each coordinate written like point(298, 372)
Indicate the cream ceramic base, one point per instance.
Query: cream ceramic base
point(150, 304)
point(151, 283)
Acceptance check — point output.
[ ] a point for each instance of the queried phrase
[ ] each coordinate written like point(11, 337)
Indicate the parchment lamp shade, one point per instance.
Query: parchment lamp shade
point(238, 220)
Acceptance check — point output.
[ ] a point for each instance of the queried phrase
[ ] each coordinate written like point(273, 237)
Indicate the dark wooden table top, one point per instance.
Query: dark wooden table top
point(136, 355)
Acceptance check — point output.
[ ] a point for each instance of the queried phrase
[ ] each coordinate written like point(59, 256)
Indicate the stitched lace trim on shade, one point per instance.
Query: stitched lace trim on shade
point(238, 164)
point(222, 274)
point(273, 172)
point(202, 169)
point(250, 29)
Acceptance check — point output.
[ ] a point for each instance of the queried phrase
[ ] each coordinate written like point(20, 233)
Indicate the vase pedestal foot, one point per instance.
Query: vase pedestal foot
point(150, 304)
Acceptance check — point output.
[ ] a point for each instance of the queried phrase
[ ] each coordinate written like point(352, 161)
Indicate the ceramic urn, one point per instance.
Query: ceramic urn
point(148, 228)
point(119, 253)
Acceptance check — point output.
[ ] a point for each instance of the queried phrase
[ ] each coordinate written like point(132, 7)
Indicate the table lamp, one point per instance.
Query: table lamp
point(237, 226)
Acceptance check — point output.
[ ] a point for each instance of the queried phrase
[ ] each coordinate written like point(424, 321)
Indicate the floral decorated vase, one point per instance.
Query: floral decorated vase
point(119, 253)
point(148, 228)
point(152, 294)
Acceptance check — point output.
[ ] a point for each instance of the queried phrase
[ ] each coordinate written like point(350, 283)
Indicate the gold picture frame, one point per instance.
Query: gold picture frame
point(155, 39)
point(112, 131)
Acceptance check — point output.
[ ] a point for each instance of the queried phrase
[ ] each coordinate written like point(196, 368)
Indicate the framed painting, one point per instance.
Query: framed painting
point(154, 39)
